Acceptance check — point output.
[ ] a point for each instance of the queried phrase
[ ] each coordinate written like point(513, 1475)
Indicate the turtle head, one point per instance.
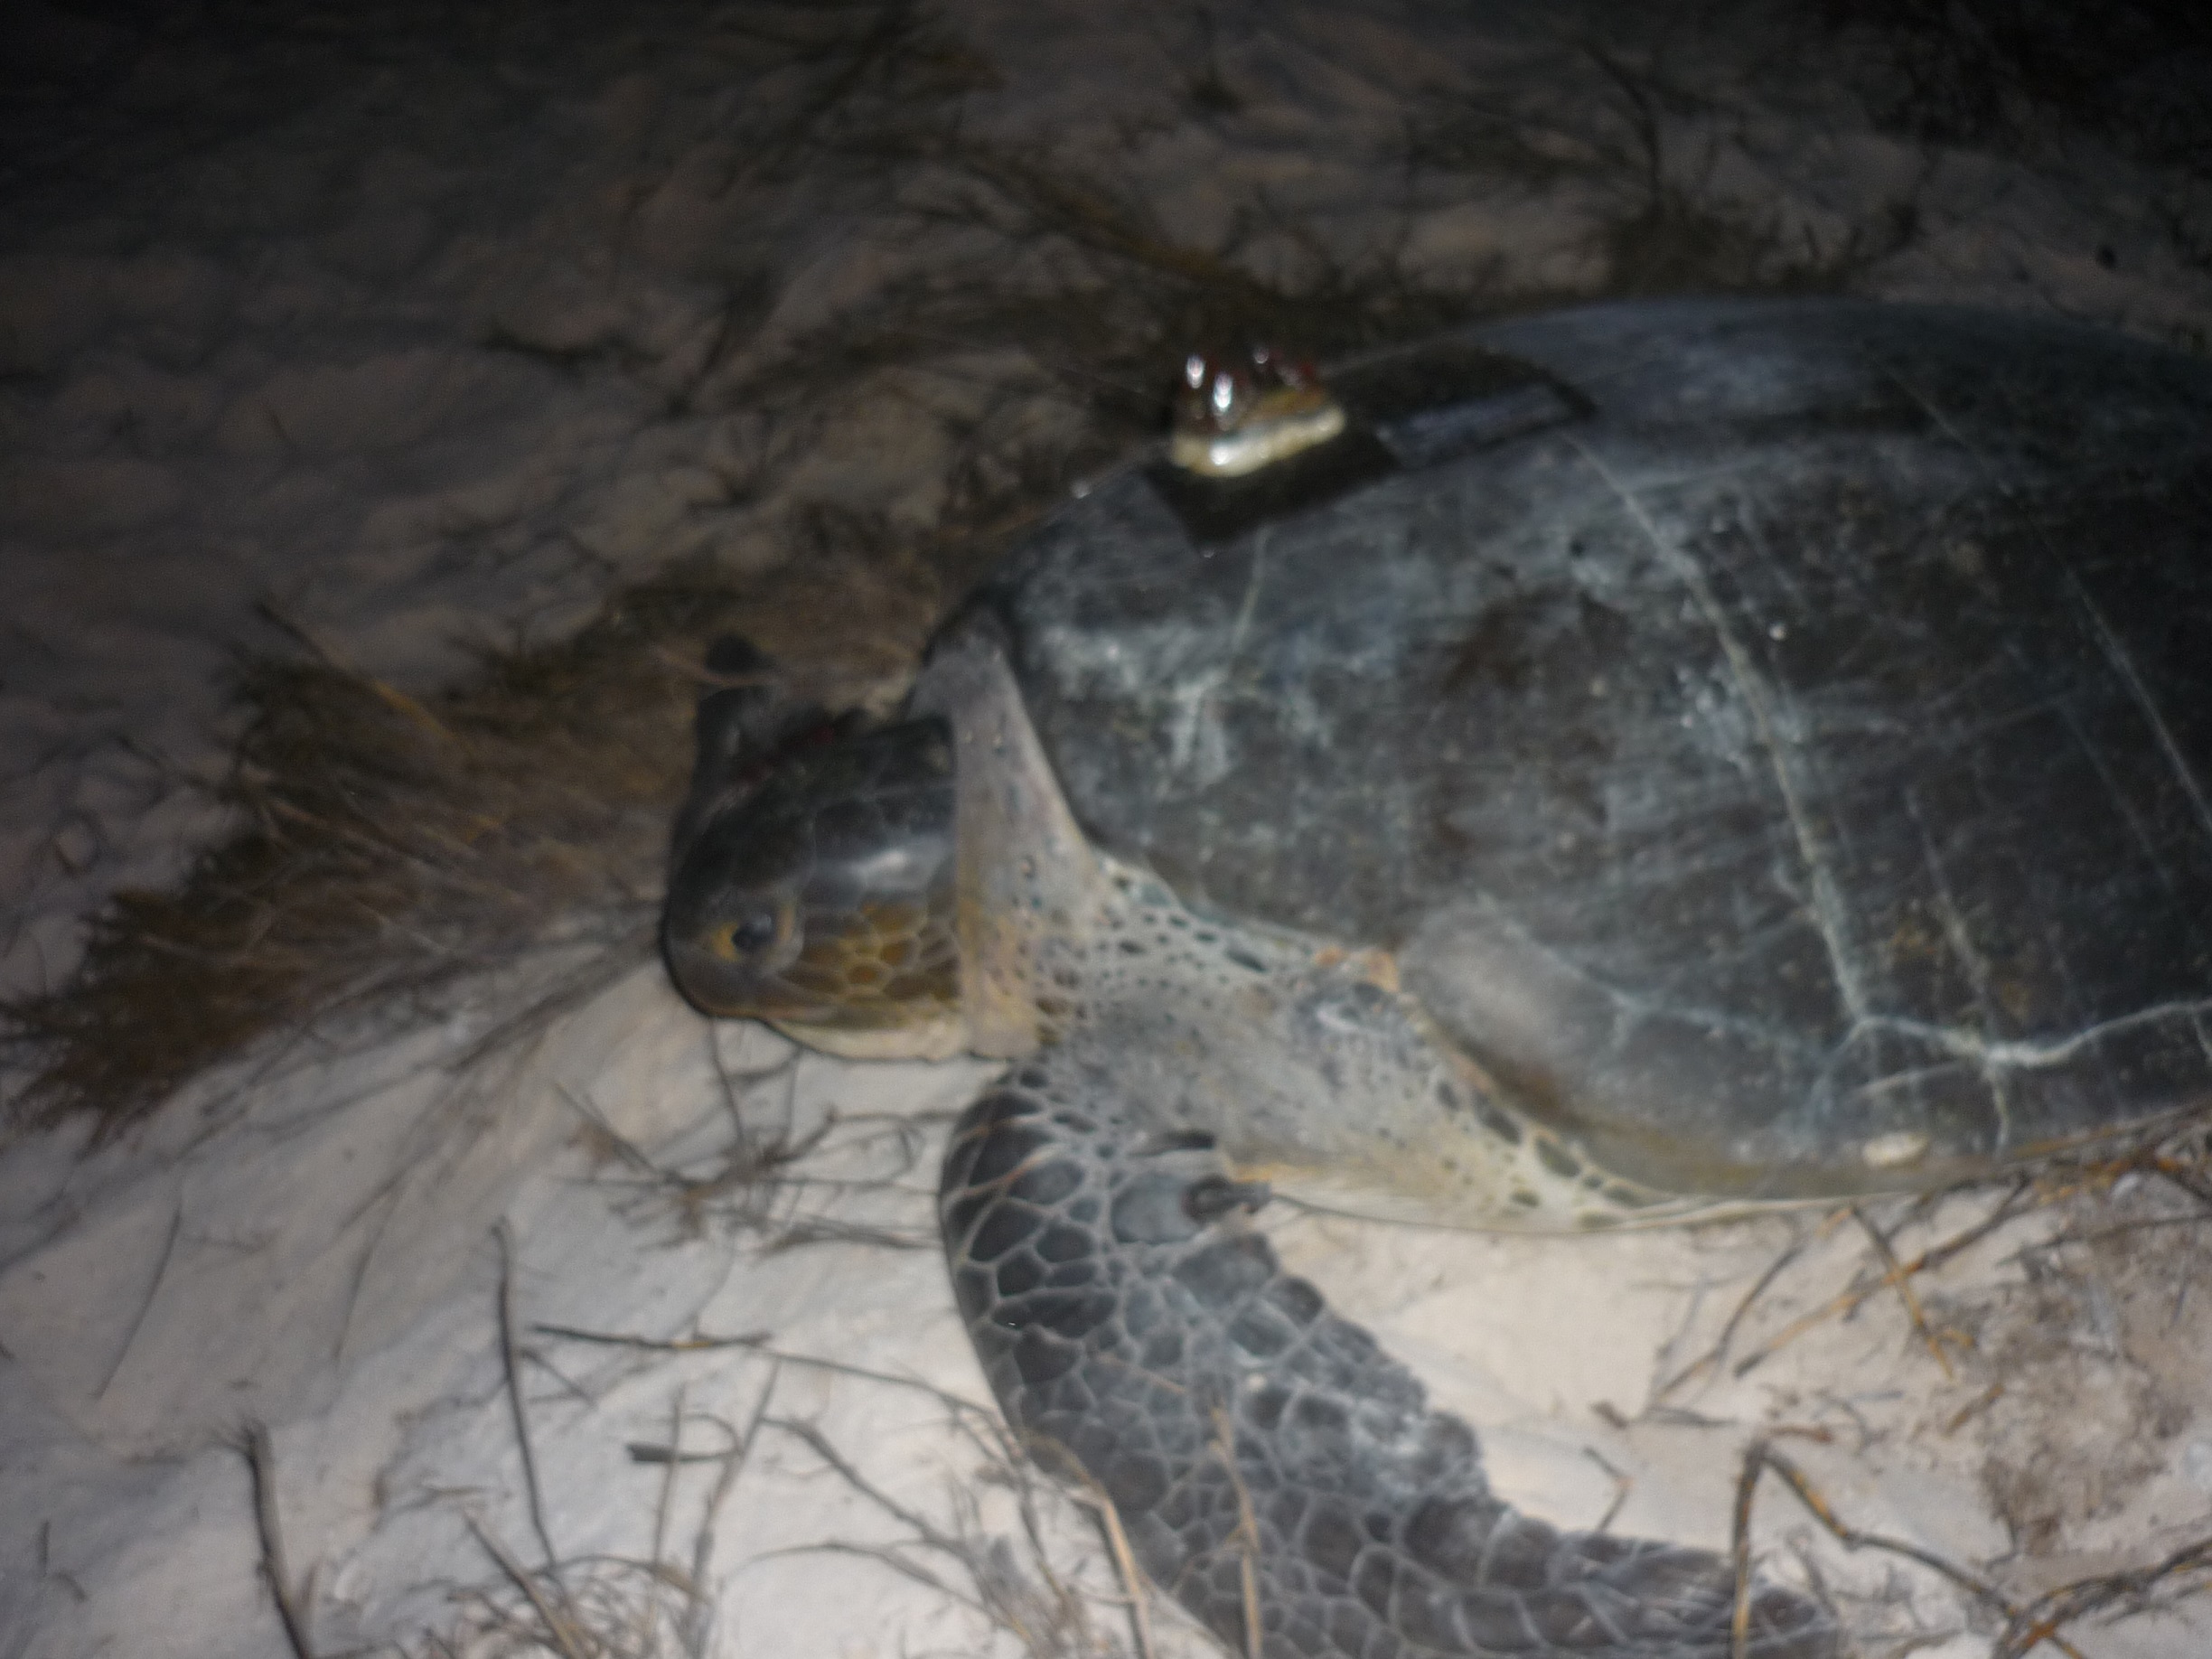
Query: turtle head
point(812, 886)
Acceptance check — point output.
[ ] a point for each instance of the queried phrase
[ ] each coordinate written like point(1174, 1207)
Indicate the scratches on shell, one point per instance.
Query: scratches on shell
point(1779, 736)
point(1959, 936)
point(2122, 664)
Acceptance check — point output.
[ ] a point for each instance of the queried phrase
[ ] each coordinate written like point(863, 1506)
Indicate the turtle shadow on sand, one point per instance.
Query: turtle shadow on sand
point(1660, 759)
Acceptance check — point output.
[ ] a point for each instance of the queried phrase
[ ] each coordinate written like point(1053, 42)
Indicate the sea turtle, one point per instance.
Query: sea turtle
point(1657, 753)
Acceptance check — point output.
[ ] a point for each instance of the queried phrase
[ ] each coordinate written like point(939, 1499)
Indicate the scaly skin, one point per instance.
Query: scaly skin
point(1261, 1452)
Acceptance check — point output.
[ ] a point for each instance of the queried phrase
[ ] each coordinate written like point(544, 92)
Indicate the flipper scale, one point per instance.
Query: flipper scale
point(1231, 1419)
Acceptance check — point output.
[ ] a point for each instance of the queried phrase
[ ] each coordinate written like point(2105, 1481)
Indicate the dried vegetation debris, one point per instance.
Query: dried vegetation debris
point(1644, 151)
point(389, 849)
point(2018, 74)
point(1004, 1549)
point(2056, 1327)
point(1010, 1557)
point(2088, 1352)
point(761, 1172)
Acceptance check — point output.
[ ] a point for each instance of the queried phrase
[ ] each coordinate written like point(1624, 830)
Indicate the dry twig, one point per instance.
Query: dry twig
point(1892, 1274)
point(2041, 1620)
point(505, 1235)
point(293, 1604)
point(1762, 1457)
point(1935, 1255)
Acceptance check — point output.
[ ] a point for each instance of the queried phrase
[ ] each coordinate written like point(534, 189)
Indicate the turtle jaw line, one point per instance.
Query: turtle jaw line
point(937, 1035)
point(918, 1031)
point(873, 1028)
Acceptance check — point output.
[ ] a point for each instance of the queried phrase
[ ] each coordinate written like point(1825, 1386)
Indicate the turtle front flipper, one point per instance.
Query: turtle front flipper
point(1267, 1459)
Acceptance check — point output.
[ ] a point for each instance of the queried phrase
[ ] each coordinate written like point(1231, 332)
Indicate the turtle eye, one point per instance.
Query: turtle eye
point(747, 936)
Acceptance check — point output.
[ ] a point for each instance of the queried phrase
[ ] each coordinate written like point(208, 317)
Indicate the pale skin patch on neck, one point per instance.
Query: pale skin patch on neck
point(1372, 963)
point(1027, 880)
